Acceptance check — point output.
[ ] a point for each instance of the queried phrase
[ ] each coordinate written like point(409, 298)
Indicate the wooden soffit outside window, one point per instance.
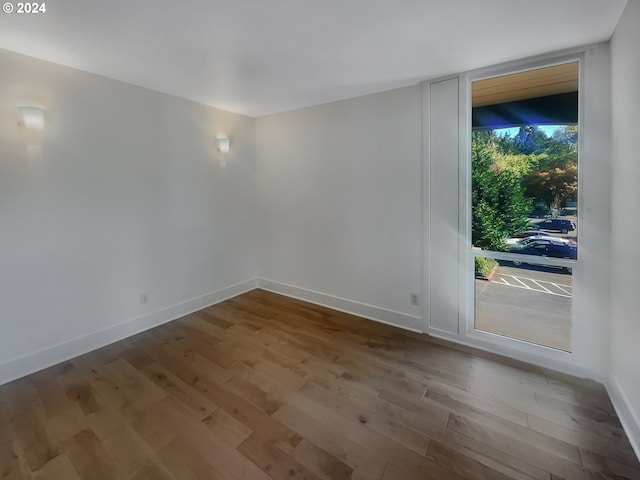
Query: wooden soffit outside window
point(540, 82)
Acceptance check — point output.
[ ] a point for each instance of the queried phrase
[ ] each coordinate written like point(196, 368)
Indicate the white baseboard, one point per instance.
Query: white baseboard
point(389, 317)
point(33, 362)
point(629, 418)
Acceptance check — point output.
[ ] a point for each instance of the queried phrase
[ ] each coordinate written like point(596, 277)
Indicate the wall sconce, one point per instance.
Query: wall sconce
point(32, 117)
point(223, 143)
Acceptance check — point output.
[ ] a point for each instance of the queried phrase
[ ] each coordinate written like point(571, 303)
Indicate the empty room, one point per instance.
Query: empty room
point(319, 240)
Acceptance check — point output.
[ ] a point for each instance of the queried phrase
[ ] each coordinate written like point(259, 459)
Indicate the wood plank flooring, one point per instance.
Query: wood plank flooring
point(267, 387)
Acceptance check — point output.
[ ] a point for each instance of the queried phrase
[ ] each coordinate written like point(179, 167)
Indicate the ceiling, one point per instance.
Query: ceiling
point(258, 57)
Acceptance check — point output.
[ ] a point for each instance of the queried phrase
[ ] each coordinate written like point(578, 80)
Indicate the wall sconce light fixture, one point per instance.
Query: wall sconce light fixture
point(223, 143)
point(32, 117)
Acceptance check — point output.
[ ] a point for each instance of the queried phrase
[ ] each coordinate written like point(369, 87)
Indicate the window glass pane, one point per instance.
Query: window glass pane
point(525, 162)
point(524, 301)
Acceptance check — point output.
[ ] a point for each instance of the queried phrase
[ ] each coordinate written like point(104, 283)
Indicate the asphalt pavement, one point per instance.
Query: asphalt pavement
point(527, 302)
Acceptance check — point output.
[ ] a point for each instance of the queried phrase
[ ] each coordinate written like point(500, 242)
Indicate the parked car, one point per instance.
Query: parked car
point(545, 247)
point(538, 236)
point(558, 224)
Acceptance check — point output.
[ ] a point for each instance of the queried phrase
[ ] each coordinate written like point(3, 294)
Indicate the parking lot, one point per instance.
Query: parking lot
point(527, 302)
point(534, 285)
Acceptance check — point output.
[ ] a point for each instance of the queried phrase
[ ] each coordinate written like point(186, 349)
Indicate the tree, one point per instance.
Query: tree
point(567, 135)
point(553, 185)
point(499, 206)
point(530, 140)
point(518, 164)
point(554, 181)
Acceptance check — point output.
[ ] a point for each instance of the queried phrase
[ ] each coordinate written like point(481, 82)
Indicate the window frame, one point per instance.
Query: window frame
point(479, 338)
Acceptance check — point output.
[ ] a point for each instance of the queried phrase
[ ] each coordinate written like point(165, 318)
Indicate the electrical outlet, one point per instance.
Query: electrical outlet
point(144, 298)
point(414, 299)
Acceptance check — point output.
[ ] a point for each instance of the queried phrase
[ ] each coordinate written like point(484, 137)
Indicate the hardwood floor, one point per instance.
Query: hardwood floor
point(267, 387)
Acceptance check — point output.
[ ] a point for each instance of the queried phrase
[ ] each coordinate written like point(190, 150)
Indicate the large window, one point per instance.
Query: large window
point(524, 195)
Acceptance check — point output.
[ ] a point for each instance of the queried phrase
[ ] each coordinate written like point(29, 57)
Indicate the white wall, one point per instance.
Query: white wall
point(340, 204)
point(625, 306)
point(121, 194)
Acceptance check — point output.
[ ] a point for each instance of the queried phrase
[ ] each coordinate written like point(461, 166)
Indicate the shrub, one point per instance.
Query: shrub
point(484, 266)
point(499, 205)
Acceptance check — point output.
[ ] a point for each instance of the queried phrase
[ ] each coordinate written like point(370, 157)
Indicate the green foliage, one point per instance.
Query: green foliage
point(554, 180)
point(553, 186)
point(530, 140)
point(484, 266)
point(518, 164)
point(567, 135)
point(499, 206)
